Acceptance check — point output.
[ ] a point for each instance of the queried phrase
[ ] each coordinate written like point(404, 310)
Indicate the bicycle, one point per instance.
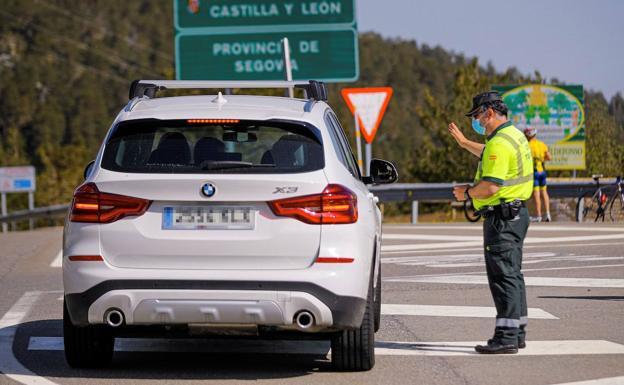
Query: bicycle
point(616, 205)
point(588, 203)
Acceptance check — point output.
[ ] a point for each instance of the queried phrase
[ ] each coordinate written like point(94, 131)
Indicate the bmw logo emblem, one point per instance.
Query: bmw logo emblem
point(208, 189)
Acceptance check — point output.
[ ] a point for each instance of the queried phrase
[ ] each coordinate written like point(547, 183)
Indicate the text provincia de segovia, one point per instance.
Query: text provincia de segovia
point(275, 9)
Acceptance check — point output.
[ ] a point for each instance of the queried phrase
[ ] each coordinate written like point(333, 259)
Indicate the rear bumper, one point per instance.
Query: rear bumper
point(162, 302)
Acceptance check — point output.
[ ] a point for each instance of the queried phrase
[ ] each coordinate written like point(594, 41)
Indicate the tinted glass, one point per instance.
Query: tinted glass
point(350, 162)
point(176, 146)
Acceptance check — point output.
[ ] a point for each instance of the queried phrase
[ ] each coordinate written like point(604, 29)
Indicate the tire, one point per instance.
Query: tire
point(616, 208)
point(378, 302)
point(586, 207)
point(354, 350)
point(87, 346)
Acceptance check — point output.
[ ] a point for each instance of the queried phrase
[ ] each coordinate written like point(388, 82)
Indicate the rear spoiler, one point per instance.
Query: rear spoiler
point(313, 89)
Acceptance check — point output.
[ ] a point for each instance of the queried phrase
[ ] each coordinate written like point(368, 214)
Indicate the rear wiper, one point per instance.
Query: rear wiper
point(228, 164)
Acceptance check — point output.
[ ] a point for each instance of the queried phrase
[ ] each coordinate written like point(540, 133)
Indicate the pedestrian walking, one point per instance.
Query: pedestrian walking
point(503, 183)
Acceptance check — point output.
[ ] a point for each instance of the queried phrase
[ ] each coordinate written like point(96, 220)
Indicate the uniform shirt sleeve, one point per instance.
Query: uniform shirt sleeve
point(495, 162)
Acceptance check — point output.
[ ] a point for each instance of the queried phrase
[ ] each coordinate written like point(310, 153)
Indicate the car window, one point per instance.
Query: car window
point(344, 143)
point(199, 146)
point(338, 149)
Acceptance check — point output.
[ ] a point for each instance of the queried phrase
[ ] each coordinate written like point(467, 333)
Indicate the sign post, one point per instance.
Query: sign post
point(13, 180)
point(368, 106)
point(287, 65)
point(358, 142)
point(242, 40)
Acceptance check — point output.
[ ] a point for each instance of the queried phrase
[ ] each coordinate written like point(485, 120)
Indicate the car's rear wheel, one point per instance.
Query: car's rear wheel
point(354, 350)
point(86, 346)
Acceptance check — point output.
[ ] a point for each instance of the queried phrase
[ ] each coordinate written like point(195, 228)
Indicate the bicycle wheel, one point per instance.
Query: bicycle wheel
point(616, 208)
point(586, 208)
point(470, 213)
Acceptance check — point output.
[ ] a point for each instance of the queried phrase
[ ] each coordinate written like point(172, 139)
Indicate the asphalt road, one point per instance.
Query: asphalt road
point(436, 307)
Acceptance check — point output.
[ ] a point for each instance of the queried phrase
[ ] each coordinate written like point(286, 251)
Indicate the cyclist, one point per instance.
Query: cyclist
point(540, 153)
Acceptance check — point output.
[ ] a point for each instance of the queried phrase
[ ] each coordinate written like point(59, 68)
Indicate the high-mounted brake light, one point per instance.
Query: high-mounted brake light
point(193, 121)
point(92, 206)
point(85, 258)
point(335, 205)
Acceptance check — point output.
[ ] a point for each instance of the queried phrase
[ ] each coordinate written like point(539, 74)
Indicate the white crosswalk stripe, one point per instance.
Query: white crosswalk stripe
point(454, 311)
point(392, 348)
point(58, 260)
point(529, 281)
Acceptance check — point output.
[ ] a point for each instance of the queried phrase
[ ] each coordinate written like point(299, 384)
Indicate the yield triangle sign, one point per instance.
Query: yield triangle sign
point(370, 105)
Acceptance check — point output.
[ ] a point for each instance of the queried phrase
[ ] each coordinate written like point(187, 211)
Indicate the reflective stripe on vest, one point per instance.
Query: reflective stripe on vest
point(516, 146)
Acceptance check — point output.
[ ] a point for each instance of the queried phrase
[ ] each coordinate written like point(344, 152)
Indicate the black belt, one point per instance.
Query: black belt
point(501, 209)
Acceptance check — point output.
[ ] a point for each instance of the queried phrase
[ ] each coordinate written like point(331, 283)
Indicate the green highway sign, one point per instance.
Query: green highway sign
point(242, 39)
point(245, 13)
point(321, 55)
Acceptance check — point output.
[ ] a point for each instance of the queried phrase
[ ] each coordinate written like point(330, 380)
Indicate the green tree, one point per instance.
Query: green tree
point(604, 154)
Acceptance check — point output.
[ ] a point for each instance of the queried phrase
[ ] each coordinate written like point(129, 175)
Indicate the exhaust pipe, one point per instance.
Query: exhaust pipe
point(113, 318)
point(304, 320)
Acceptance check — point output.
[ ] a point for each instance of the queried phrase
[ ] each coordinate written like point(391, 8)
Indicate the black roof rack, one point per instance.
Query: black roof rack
point(313, 89)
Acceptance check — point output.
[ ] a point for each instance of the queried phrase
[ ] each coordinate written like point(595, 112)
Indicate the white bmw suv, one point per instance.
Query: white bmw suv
point(209, 213)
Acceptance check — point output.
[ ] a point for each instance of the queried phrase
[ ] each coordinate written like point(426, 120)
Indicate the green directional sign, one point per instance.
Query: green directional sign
point(242, 39)
point(326, 55)
point(244, 13)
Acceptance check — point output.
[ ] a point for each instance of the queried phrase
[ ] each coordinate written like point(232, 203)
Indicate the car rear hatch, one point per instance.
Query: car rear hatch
point(208, 183)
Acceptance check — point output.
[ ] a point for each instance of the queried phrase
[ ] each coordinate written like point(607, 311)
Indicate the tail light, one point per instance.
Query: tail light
point(335, 205)
point(92, 206)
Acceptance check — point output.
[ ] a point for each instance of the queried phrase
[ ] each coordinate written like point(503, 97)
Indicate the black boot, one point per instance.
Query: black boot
point(495, 346)
point(521, 343)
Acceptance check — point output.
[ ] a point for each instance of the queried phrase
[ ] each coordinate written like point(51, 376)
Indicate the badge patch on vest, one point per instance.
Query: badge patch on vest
point(492, 157)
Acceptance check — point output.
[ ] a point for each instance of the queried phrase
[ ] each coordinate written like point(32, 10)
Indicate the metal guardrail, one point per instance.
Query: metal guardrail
point(398, 192)
point(39, 212)
point(405, 192)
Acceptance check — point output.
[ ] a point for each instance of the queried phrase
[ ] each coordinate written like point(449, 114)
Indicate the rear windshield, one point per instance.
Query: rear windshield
point(200, 147)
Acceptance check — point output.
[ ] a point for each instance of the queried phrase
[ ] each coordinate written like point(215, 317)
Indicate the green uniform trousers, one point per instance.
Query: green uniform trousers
point(503, 240)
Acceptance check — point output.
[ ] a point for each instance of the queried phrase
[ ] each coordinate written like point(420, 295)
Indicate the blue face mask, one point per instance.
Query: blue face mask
point(476, 125)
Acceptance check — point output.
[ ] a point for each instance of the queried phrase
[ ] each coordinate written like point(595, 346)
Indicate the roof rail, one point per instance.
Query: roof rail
point(139, 88)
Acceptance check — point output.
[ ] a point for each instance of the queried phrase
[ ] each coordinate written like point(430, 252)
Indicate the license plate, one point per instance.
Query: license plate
point(207, 218)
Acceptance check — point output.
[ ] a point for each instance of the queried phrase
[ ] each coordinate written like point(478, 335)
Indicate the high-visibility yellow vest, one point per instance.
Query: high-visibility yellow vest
point(506, 161)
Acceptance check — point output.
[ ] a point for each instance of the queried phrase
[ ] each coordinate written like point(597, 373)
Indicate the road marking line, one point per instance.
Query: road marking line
point(454, 311)
point(431, 237)
point(9, 365)
point(466, 348)
point(429, 246)
point(437, 258)
point(449, 261)
point(449, 265)
point(463, 249)
point(533, 226)
point(599, 381)
point(58, 260)
point(529, 281)
point(392, 348)
point(528, 240)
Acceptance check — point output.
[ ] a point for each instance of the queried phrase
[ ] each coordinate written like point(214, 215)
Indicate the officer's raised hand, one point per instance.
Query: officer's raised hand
point(457, 134)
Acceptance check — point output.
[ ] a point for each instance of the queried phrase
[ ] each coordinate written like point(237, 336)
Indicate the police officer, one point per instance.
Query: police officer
point(504, 181)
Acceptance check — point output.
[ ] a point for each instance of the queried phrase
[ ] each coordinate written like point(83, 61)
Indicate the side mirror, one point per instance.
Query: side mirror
point(88, 169)
point(381, 172)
